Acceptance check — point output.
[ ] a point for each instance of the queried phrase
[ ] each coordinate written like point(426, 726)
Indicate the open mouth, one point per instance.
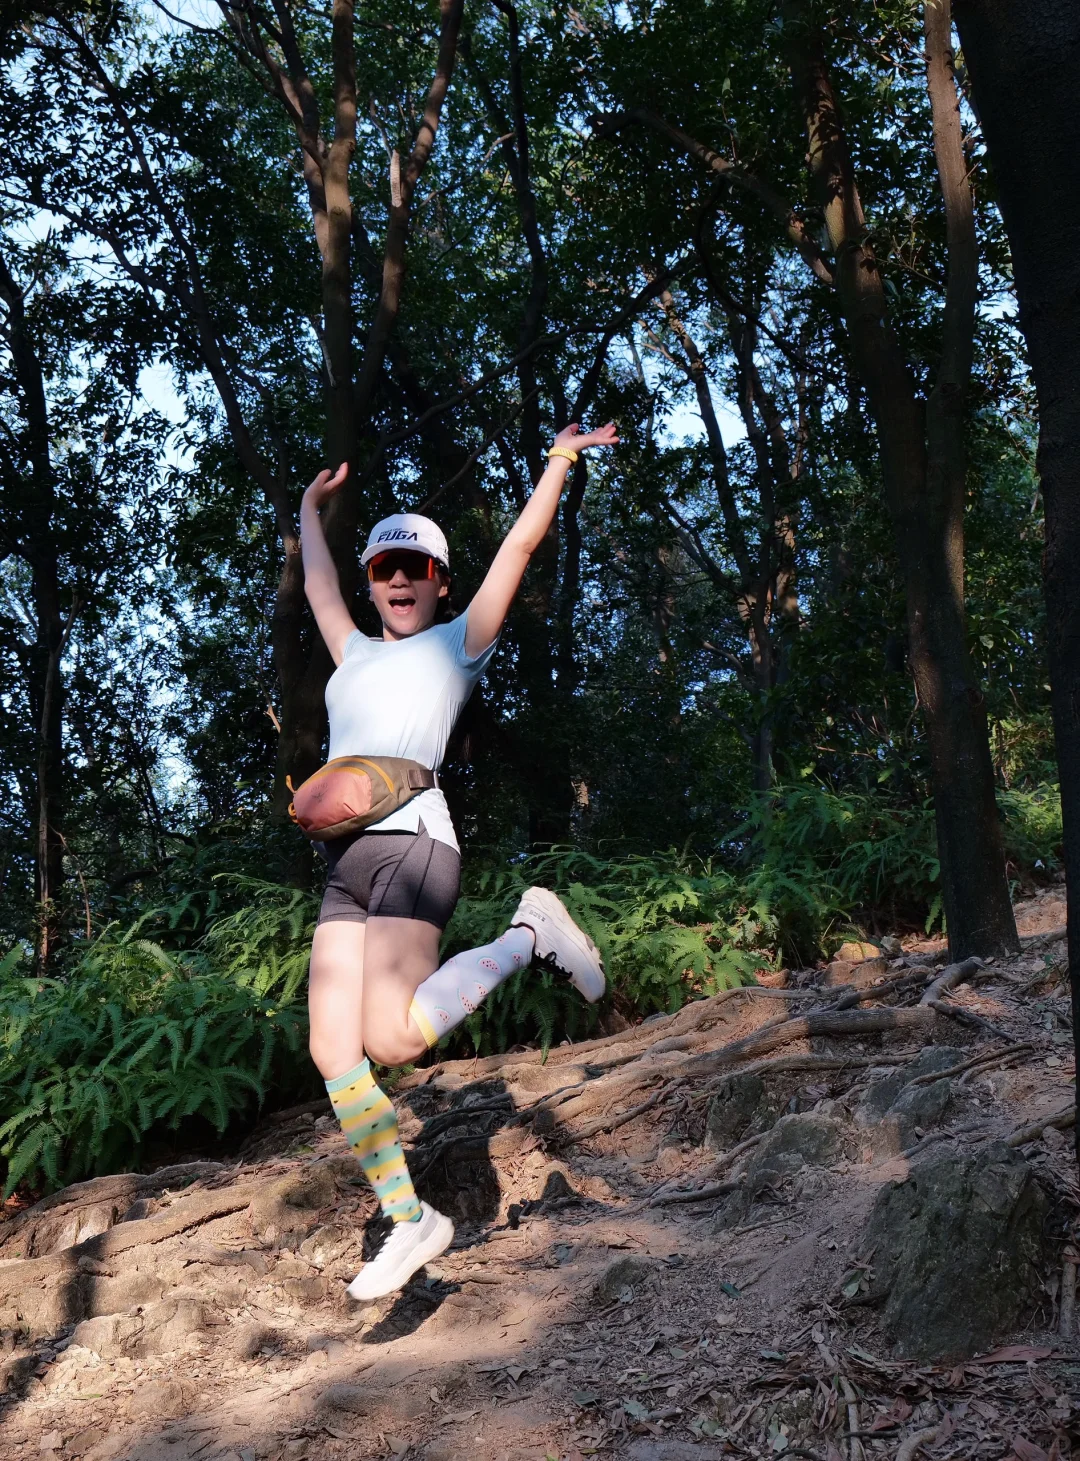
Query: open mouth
point(401, 604)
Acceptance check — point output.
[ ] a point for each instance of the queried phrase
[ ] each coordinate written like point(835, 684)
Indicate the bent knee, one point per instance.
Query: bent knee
point(391, 1049)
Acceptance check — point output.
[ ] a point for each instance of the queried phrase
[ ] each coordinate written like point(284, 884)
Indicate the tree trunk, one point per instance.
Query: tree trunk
point(923, 466)
point(1024, 60)
point(37, 544)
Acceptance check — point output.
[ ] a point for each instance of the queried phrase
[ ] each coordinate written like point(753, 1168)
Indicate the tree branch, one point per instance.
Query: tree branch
point(610, 123)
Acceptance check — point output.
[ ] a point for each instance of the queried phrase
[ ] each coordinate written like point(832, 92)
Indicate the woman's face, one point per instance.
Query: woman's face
point(405, 597)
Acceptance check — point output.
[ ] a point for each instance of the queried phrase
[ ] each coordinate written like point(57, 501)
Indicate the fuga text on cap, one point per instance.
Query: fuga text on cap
point(407, 530)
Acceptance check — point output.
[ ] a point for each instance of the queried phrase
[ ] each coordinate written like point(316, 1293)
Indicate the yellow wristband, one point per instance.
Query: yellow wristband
point(563, 451)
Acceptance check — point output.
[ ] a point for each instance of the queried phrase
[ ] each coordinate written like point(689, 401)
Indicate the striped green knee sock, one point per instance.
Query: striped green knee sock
point(370, 1125)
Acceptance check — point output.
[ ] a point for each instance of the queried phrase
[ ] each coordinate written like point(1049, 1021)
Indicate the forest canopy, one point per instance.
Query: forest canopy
point(778, 673)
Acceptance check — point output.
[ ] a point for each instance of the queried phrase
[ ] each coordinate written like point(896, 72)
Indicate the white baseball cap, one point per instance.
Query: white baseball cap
point(410, 531)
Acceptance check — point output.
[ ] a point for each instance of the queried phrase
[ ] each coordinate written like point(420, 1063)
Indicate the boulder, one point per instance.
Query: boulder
point(741, 1107)
point(857, 951)
point(956, 1249)
point(112, 1294)
point(881, 1094)
point(808, 1139)
point(859, 972)
point(804, 1140)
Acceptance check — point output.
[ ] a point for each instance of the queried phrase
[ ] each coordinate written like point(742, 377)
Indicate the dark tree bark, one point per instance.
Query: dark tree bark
point(1023, 58)
point(38, 547)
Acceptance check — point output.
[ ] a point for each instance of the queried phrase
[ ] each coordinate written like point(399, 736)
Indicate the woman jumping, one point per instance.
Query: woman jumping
point(376, 990)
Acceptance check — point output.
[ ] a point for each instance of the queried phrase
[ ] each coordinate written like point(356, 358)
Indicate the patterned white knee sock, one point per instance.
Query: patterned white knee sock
point(455, 989)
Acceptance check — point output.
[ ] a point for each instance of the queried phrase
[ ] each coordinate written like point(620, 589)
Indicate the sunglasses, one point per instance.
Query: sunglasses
point(416, 566)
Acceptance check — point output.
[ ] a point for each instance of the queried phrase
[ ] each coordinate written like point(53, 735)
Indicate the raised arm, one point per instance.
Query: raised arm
point(489, 608)
point(320, 574)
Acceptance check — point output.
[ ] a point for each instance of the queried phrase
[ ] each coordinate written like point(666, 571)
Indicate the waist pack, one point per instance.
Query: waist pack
point(351, 793)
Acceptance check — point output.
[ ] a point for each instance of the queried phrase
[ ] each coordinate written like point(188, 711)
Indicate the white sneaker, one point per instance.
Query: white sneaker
point(560, 943)
point(408, 1247)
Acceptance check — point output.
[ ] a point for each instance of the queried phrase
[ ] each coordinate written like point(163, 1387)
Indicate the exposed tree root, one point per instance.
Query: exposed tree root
point(1043, 940)
point(995, 1057)
point(190, 1212)
point(696, 1194)
point(1062, 1121)
point(695, 1016)
point(950, 977)
point(909, 1448)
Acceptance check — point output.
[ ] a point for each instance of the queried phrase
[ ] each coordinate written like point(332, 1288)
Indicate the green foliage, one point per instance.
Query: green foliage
point(146, 1035)
point(1032, 828)
point(140, 1040)
point(828, 862)
point(825, 864)
point(670, 928)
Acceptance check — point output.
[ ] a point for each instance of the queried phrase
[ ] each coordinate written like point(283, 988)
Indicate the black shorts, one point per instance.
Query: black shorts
point(391, 875)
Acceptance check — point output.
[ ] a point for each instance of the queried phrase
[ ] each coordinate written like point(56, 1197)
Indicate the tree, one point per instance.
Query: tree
point(921, 437)
point(1023, 61)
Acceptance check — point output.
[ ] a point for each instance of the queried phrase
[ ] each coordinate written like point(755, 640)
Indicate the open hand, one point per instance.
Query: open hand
point(577, 440)
point(325, 485)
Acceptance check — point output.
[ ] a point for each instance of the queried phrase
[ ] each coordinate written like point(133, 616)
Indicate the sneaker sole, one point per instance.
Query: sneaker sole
point(552, 905)
point(437, 1243)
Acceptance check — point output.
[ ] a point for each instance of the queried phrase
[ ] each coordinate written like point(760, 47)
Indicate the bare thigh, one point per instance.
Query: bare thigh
point(335, 997)
point(399, 954)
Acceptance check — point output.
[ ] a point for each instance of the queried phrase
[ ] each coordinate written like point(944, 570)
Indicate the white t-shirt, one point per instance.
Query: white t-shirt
point(402, 698)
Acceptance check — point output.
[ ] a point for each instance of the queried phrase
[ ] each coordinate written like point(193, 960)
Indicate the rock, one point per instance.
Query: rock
point(882, 1093)
point(741, 1107)
point(155, 1329)
point(51, 1441)
point(63, 1229)
point(916, 1109)
point(296, 1450)
point(16, 1370)
point(624, 1279)
point(307, 1290)
point(957, 1248)
point(109, 1449)
point(157, 1398)
point(251, 1339)
point(106, 1294)
point(554, 1183)
point(807, 1139)
point(539, 1080)
point(142, 1207)
point(326, 1245)
point(292, 1204)
point(855, 951)
point(860, 972)
point(85, 1441)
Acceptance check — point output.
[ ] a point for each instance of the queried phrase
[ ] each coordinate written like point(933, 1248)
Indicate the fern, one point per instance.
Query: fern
point(139, 1038)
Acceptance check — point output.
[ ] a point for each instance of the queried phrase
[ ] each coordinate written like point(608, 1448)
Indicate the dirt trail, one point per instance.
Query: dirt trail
point(625, 1281)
